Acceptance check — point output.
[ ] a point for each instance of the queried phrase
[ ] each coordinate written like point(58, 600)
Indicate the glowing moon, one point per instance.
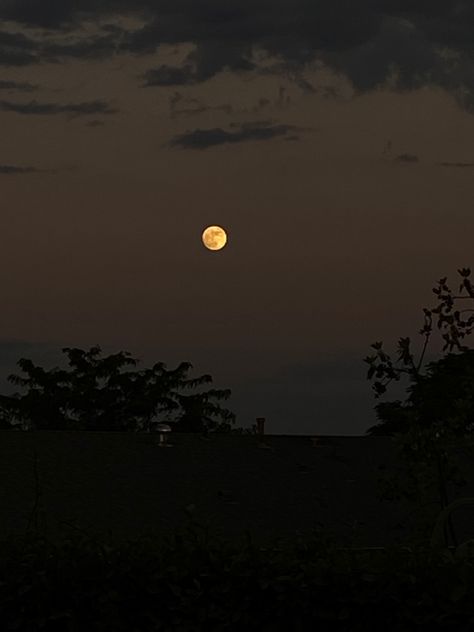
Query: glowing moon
point(214, 238)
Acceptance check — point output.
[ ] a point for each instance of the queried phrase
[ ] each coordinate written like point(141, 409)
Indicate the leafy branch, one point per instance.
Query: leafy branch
point(440, 406)
point(450, 321)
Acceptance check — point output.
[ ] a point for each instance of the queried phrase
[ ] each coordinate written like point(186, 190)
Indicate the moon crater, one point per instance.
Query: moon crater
point(214, 238)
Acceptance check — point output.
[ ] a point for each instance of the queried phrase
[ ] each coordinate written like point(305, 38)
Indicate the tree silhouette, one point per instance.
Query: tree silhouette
point(104, 393)
point(201, 414)
point(442, 396)
point(439, 408)
point(435, 384)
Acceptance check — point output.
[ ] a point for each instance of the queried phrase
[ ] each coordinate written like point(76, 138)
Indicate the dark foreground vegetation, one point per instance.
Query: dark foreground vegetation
point(193, 582)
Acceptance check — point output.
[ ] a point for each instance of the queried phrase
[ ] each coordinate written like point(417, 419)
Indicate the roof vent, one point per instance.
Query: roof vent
point(163, 430)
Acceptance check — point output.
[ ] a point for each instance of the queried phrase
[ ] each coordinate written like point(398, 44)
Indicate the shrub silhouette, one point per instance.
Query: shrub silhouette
point(439, 409)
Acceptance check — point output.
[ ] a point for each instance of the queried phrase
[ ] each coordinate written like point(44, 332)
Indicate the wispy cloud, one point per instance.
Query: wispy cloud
point(95, 123)
point(169, 76)
point(74, 109)
point(458, 165)
point(17, 86)
point(12, 170)
point(186, 106)
point(189, 106)
point(407, 158)
point(258, 131)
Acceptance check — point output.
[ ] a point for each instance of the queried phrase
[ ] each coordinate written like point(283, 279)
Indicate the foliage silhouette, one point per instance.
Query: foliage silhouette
point(439, 409)
point(454, 329)
point(103, 393)
point(445, 394)
point(197, 582)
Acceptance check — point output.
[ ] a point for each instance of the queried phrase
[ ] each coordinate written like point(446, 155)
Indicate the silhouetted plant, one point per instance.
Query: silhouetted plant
point(103, 393)
point(196, 582)
point(440, 406)
point(201, 414)
point(453, 326)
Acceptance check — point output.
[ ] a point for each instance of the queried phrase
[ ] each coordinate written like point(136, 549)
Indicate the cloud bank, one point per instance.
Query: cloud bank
point(405, 44)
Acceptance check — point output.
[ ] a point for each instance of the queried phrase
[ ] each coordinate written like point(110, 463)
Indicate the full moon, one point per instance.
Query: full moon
point(214, 238)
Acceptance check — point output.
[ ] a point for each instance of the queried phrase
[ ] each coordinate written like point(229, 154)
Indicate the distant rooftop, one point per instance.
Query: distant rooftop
point(275, 486)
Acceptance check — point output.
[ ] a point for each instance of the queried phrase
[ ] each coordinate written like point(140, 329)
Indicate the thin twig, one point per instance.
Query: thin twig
point(427, 337)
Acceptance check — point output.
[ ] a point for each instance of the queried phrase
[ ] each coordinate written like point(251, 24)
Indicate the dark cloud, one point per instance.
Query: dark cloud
point(190, 106)
point(98, 47)
point(404, 57)
point(11, 170)
point(405, 44)
point(16, 86)
point(16, 49)
point(398, 51)
point(330, 92)
point(409, 158)
point(258, 131)
point(169, 76)
point(74, 109)
point(459, 165)
point(14, 170)
point(50, 14)
point(202, 64)
point(185, 106)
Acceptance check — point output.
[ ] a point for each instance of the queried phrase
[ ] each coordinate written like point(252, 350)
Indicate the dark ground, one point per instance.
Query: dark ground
point(125, 483)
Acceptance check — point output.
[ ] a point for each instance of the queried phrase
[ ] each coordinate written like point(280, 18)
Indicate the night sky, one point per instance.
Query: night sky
point(333, 140)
